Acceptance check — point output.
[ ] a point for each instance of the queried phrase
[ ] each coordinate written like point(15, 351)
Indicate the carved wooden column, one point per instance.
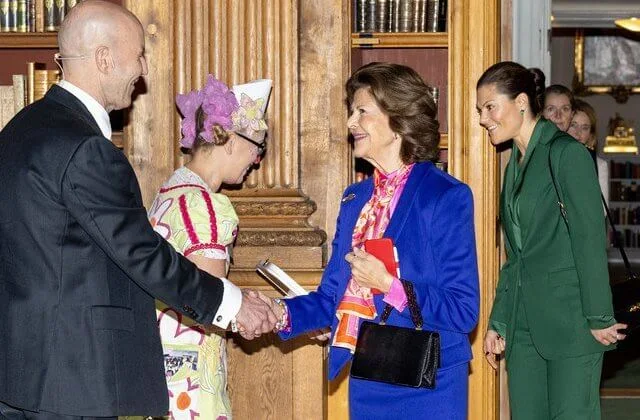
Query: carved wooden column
point(474, 33)
point(238, 41)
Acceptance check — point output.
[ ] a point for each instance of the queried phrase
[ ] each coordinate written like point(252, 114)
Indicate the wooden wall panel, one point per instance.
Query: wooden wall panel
point(241, 40)
point(474, 37)
point(150, 143)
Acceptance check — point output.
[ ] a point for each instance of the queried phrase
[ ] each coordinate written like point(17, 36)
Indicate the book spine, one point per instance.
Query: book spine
point(4, 16)
point(433, 11)
point(18, 91)
point(370, 20)
point(415, 17)
point(405, 16)
point(394, 12)
point(53, 77)
point(361, 16)
point(39, 5)
point(40, 84)
point(420, 16)
point(49, 16)
point(31, 66)
point(13, 15)
point(31, 15)
point(6, 103)
point(59, 12)
point(21, 16)
point(382, 16)
point(442, 16)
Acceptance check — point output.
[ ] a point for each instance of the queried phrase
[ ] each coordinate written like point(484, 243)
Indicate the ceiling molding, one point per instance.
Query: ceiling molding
point(591, 14)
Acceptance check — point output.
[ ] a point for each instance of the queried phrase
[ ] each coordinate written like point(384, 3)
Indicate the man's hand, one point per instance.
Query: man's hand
point(255, 316)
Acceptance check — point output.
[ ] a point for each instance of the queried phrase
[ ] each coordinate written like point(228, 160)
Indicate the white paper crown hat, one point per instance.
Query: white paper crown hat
point(256, 90)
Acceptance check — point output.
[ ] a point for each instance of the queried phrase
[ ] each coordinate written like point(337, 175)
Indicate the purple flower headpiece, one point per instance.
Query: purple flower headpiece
point(220, 106)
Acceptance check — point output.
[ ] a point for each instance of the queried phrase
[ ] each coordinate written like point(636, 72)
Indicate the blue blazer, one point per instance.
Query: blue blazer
point(432, 229)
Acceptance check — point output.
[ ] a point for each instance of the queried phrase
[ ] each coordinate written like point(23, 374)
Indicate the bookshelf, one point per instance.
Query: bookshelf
point(399, 40)
point(29, 40)
point(425, 52)
point(17, 48)
point(624, 200)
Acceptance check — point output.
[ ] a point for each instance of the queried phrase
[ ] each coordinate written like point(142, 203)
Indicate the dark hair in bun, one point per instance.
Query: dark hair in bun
point(513, 79)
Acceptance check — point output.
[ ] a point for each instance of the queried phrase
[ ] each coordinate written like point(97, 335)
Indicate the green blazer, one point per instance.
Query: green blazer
point(560, 273)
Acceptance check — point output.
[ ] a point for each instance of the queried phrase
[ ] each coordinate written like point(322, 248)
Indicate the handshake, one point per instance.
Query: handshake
point(259, 314)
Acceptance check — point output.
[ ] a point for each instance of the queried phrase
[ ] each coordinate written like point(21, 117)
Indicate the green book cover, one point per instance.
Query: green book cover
point(4, 16)
point(21, 16)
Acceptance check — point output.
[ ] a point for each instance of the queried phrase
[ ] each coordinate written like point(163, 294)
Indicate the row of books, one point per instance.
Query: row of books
point(625, 215)
point(624, 170)
point(25, 89)
point(629, 238)
point(400, 16)
point(33, 15)
point(620, 191)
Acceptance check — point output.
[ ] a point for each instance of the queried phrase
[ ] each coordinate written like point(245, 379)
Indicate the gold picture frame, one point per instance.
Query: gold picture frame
point(589, 81)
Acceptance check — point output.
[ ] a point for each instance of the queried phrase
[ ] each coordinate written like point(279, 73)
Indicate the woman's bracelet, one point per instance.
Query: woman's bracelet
point(284, 322)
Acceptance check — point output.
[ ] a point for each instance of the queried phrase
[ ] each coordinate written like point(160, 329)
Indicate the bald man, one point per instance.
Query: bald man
point(80, 265)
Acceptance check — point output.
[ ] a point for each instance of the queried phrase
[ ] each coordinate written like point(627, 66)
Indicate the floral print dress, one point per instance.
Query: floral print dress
point(195, 220)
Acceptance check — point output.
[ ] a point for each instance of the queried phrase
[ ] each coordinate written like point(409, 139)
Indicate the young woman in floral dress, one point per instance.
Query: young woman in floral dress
point(224, 132)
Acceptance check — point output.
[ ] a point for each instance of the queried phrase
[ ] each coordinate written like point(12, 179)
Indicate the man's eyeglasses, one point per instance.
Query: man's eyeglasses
point(261, 146)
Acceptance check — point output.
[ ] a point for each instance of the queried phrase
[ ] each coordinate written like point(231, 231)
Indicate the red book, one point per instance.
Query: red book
point(384, 250)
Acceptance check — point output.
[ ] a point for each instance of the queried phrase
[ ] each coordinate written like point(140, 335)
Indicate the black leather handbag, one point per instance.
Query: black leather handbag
point(625, 294)
point(397, 355)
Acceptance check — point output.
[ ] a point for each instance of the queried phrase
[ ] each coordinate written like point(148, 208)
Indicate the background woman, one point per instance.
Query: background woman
point(552, 312)
point(429, 216)
point(559, 103)
point(225, 136)
point(583, 129)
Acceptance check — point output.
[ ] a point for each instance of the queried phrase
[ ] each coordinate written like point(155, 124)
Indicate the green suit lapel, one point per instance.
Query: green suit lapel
point(505, 197)
point(515, 175)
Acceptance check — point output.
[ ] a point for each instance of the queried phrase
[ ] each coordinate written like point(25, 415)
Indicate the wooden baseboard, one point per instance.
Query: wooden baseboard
point(620, 393)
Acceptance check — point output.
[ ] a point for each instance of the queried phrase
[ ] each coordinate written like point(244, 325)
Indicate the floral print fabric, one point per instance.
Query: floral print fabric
point(195, 220)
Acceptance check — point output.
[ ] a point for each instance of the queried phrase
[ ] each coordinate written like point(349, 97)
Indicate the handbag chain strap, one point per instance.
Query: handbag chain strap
point(563, 210)
point(412, 302)
point(630, 274)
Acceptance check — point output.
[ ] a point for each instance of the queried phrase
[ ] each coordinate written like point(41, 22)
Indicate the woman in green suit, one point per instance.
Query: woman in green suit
point(552, 314)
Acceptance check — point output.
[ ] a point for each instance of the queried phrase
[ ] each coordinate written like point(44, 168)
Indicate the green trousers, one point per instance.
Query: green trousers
point(562, 389)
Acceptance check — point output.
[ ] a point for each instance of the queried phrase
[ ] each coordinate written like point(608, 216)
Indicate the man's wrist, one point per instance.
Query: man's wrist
point(230, 305)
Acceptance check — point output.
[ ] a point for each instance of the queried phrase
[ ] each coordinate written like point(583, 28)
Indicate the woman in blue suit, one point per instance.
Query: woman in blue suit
point(429, 216)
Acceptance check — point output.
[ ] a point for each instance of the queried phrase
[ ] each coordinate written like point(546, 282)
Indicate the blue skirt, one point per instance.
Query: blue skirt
point(369, 400)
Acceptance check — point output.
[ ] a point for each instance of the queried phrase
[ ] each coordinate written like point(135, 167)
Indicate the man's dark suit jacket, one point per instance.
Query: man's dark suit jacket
point(80, 266)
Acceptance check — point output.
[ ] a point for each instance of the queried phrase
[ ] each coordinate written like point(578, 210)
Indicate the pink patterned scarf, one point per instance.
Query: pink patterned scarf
point(357, 301)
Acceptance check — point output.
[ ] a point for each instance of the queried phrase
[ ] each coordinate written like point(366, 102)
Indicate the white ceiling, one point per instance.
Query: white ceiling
point(592, 13)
